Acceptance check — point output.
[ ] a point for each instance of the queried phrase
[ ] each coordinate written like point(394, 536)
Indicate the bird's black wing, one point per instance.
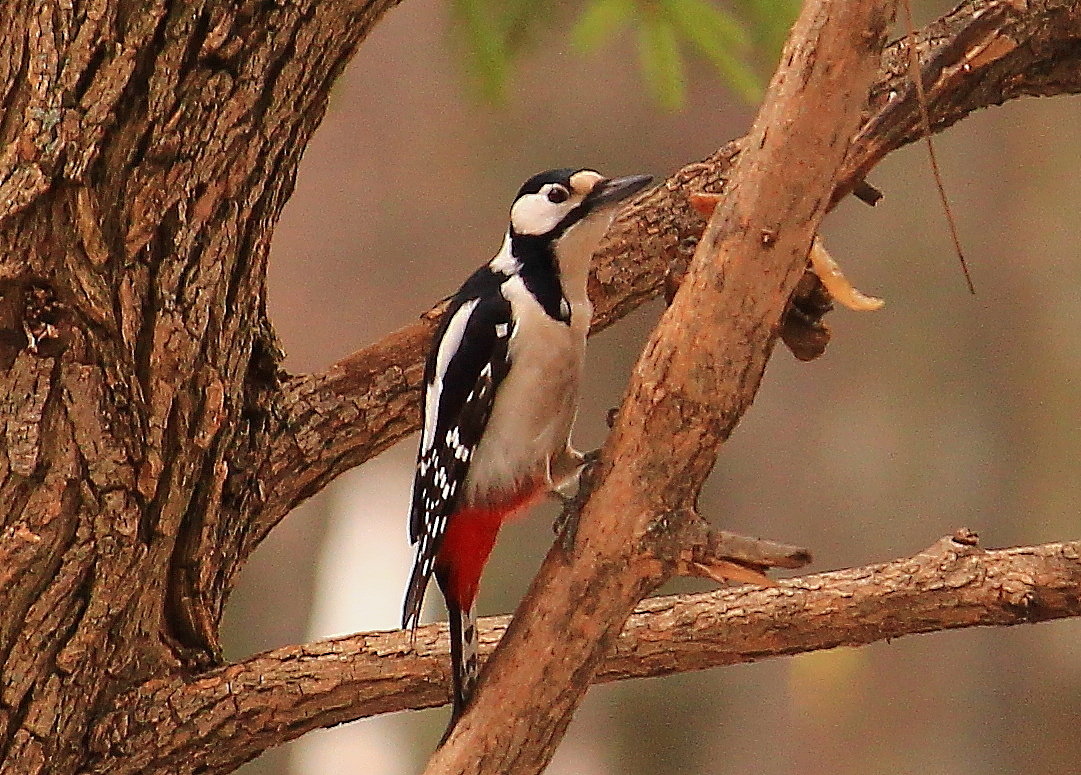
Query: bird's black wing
point(468, 362)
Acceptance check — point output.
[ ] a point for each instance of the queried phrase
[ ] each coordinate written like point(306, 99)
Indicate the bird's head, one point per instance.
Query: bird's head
point(560, 216)
point(553, 203)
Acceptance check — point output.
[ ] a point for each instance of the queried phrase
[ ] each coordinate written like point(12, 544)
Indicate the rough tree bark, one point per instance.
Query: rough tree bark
point(150, 440)
point(148, 148)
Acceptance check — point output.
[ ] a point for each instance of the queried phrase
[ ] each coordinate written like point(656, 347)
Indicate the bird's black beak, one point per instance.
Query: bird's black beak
point(609, 192)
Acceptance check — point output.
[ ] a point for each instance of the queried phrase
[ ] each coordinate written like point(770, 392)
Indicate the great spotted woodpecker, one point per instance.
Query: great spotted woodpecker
point(501, 393)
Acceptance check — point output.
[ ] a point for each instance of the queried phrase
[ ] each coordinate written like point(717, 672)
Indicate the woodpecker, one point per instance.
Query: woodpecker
point(501, 393)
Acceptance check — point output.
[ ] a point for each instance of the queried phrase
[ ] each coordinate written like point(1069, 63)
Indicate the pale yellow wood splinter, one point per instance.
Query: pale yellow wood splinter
point(838, 286)
point(828, 270)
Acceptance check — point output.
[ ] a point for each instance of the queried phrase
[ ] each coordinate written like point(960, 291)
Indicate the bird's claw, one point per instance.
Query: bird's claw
point(566, 524)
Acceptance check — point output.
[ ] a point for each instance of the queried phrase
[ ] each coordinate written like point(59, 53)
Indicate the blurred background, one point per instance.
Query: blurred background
point(939, 411)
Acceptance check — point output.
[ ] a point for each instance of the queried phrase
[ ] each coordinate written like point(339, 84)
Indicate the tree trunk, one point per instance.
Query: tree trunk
point(148, 150)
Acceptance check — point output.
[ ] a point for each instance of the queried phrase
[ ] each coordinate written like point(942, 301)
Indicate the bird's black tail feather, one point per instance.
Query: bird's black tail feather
point(463, 657)
point(414, 596)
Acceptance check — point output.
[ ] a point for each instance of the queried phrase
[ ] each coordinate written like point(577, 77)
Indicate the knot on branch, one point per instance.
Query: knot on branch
point(1023, 596)
point(949, 550)
point(803, 330)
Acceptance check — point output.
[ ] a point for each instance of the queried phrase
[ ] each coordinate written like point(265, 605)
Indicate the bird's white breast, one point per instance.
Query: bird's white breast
point(536, 403)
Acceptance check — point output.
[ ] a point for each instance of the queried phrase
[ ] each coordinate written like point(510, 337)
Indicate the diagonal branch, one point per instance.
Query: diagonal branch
point(698, 373)
point(280, 694)
point(981, 54)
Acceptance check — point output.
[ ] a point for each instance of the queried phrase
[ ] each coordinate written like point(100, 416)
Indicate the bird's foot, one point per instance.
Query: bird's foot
point(566, 524)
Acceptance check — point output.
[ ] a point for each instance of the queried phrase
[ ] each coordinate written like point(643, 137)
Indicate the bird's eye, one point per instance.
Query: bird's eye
point(557, 194)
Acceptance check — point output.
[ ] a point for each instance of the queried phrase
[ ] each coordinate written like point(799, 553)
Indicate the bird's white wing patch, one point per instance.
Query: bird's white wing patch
point(452, 339)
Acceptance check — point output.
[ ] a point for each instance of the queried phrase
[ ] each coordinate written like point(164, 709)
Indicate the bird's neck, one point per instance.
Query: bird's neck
point(541, 272)
point(574, 253)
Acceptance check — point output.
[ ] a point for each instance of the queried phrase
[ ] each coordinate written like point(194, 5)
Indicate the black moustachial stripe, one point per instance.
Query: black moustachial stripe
point(540, 273)
point(540, 270)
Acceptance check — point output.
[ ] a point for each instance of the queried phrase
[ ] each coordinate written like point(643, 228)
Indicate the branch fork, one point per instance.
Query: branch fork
point(687, 545)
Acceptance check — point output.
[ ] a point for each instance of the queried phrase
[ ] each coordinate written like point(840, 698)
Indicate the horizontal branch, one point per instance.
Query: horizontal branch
point(980, 54)
point(278, 695)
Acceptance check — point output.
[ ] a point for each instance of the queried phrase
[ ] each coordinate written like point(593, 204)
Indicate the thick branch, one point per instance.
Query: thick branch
point(278, 695)
point(336, 420)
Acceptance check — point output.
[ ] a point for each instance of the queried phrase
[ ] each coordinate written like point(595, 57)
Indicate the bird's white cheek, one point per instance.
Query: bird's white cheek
point(534, 214)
